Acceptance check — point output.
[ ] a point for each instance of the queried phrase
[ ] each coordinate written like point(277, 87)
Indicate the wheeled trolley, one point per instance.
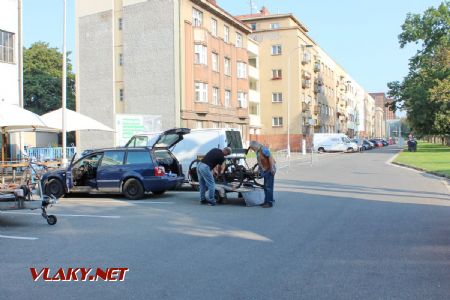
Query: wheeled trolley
point(238, 177)
point(28, 195)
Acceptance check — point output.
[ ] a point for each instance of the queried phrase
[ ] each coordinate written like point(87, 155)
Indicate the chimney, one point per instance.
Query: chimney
point(212, 2)
point(264, 11)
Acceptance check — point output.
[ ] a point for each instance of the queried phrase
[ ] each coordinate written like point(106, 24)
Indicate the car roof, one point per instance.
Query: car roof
point(120, 149)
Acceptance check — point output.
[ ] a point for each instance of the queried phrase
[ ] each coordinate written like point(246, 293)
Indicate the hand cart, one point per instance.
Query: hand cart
point(27, 195)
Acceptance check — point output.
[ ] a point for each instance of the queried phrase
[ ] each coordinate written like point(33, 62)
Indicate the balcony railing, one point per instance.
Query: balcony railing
point(306, 83)
point(253, 72)
point(50, 153)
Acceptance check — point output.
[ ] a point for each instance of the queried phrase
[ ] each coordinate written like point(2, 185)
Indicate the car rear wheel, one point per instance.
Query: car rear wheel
point(55, 188)
point(133, 189)
point(321, 150)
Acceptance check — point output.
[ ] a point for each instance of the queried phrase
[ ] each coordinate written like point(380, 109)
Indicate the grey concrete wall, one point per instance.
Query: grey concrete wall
point(95, 78)
point(149, 60)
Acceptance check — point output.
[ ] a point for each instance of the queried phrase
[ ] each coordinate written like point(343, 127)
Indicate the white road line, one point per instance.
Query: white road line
point(18, 237)
point(149, 202)
point(113, 201)
point(64, 215)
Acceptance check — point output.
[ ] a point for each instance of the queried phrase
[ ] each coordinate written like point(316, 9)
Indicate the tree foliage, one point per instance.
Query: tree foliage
point(42, 76)
point(425, 92)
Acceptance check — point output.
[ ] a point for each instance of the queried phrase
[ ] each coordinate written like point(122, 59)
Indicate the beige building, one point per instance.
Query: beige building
point(145, 65)
point(288, 101)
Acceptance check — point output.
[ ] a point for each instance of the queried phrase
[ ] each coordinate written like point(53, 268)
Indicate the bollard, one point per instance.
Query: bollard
point(303, 147)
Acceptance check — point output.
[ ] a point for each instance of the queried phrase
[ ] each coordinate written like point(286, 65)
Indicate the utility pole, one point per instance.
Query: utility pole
point(64, 90)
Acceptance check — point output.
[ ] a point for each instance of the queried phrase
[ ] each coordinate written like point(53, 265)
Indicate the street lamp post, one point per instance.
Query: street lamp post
point(289, 97)
point(64, 90)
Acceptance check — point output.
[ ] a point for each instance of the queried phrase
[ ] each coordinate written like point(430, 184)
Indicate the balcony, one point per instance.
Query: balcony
point(306, 83)
point(316, 109)
point(306, 75)
point(317, 89)
point(305, 107)
point(200, 35)
point(253, 72)
point(254, 96)
point(242, 113)
point(306, 58)
point(255, 120)
point(317, 67)
point(253, 48)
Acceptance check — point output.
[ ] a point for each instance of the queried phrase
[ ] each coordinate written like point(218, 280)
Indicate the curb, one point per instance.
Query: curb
point(422, 170)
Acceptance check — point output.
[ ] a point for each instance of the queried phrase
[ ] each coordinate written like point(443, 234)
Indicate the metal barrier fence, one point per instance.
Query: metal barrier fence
point(51, 153)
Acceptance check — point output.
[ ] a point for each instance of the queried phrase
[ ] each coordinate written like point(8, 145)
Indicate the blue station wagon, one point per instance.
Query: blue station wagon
point(128, 171)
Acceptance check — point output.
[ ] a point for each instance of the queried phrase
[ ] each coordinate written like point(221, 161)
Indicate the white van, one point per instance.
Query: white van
point(197, 142)
point(333, 142)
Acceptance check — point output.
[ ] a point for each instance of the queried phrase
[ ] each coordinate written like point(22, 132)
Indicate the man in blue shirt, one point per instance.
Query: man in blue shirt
point(267, 167)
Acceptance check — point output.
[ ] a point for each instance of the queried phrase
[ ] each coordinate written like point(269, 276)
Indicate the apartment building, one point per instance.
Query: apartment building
point(380, 101)
point(288, 102)
point(149, 64)
point(303, 90)
point(9, 70)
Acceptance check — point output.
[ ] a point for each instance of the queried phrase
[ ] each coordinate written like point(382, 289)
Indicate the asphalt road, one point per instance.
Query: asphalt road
point(349, 226)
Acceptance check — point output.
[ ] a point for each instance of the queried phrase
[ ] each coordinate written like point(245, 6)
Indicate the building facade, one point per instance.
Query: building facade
point(183, 63)
point(9, 70)
point(381, 101)
point(287, 77)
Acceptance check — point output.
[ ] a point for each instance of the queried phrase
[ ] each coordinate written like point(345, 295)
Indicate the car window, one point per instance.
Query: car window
point(91, 159)
point(138, 157)
point(113, 158)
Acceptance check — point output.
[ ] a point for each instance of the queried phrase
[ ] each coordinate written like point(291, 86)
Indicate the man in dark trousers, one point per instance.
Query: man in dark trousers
point(215, 157)
point(267, 167)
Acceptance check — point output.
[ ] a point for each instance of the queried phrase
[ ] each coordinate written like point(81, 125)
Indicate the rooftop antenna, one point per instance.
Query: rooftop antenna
point(253, 6)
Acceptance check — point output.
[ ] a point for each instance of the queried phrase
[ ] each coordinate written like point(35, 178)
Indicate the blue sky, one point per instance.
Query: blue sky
point(360, 35)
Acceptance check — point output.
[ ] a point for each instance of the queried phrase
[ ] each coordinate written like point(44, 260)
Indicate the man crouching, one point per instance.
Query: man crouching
point(215, 157)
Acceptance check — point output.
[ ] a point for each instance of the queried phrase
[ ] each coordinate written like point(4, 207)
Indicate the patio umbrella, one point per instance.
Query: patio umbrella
point(15, 118)
point(74, 121)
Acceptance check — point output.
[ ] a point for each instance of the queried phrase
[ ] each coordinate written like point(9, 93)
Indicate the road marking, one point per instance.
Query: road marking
point(114, 201)
point(150, 202)
point(64, 215)
point(18, 237)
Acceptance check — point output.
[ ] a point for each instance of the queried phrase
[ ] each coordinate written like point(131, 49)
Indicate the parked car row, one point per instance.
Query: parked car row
point(368, 144)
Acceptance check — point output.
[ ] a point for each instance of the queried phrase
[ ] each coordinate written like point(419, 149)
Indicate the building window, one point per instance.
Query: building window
point(277, 97)
point(242, 99)
point(227, 66)
point(214, 27)
point(276, 49)
point(253, 108)
point(215, 62)
point(200, 53)
point(241, 70)
point(197, 18)
point(201, 92)
point(120, 23)
point(6, 46)
point(121, 95)
point(215, 96)
point(120, 59)
point(277, 74)
point(199, 124)
point(274, 25)
point(226, 34)
point(238, 40)
point(277, 121)
point(215, 125)
point(227, 98)
point(253, 26)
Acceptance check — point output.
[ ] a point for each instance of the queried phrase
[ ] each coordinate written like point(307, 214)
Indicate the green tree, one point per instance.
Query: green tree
point(424, 93)
point(42, 76)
